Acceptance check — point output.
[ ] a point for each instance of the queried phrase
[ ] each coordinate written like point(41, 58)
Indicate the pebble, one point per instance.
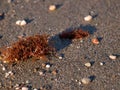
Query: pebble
point(88, 64)
point(9, 1)
point(17, 88)
point(54, 72)
point(81, 41)
point(41, 73)
point(21, 36)
point(101, 63)
point(43, 65)
point(52, 7)
point(113, 57)
point(60, 57)
point(6, 75)
point(79, 83)
point(16, 85)
point(10, 73)
point(21, 22)
point(88, 18)
point(3, 68)
point(95, 41)
point(5, 61)
point(18, 22)
point(27, 82)
point(25, 88)
point(47, 66)
point(86, 80)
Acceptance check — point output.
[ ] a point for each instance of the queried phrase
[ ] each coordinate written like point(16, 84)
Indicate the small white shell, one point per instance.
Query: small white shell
point(101, 63)
point(113, 57)
point(6, 75)
point(35, 89)
point(60, 57)
point(88, 64)
point(18, 22)
point(3, 68)
point(24, 88)
point(52, 7)
point(47, 66)
point(86, 80)
point(23, 22)
point(41, 73)
point(88, 18)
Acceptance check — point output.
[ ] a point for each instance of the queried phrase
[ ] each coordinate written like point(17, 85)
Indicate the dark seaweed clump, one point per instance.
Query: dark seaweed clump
point(33, 46)
point(75, 34)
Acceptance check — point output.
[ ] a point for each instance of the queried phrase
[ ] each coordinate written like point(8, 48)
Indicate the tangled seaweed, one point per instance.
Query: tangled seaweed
point(75, 34)
point(33, 46)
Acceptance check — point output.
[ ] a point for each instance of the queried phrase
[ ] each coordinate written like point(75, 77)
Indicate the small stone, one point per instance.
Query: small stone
point(3, 68)
point(6, 75)
point(60, 57)
point(113, 57)
point(47, 66)
point(41, 73)
point(43, 65)
point(79, 83)
point(18, 22)
point(17, 88)
point(16, 85)
point(76, 80)
point(101, 63)
point(81, 41)
point(95, 41)
point(9, 1)
point(52, 7)
point(54, 72)
point(10, 73)
point(5, 61)
point(27, 82)
point(25, 88)
point(21, 36)
point(88, 18)
point(88, 64)
point(86, 80)
point(21, 22)
point(36, 69)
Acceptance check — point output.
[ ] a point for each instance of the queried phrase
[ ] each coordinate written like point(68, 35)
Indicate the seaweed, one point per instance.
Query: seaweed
point(74, 34)
point(32, 46)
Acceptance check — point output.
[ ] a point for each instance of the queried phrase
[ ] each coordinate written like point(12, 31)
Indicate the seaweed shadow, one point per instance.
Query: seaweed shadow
point(89, 28)
point(59, 43)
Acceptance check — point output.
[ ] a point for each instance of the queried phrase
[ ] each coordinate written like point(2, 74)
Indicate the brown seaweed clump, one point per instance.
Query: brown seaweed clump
point(75, 34)
point(33, 46)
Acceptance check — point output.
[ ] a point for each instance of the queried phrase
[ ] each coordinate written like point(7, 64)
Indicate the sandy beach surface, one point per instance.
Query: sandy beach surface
point(67, 71)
